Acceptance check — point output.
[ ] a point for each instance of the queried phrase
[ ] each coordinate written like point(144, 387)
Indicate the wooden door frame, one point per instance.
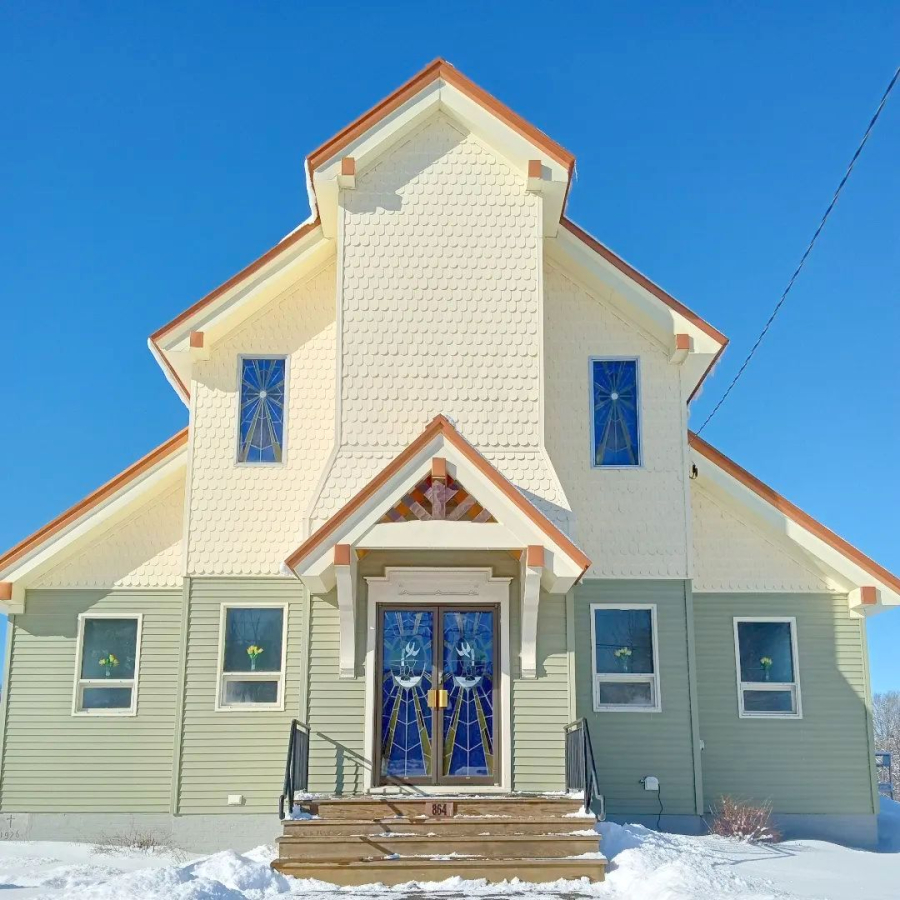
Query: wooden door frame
point(441, 586)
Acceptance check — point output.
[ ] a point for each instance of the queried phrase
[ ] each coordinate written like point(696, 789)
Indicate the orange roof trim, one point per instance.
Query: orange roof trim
point(792, 512)
point(439, 69)
point(654, 289)
point(439, 425)
point(94, 499)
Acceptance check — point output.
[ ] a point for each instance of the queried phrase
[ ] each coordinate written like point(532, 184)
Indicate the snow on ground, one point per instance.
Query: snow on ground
point(644, 865)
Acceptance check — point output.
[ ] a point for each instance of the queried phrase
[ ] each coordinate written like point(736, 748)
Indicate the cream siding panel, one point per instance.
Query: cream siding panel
point(258, 512)
point(730, 554)
point(441, 311)
point(629, 745)
point(234, 752)
point(56, 762)
point(144, 550)
point(818, 764)
point(630, 521)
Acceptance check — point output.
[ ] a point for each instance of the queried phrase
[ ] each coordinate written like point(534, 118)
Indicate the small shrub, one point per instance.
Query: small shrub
point(744, 821)
point(137, 841)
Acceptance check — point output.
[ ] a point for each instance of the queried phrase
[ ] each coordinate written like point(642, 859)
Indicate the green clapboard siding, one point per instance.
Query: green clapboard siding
point(818, 764)
point(231, 752)
point(336, 705)
point(630, 745)
point(56, 762)
point(540, 706)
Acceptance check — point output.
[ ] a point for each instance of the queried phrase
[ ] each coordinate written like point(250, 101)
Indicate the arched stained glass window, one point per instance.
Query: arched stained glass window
point(262, 410)
point(615, 411)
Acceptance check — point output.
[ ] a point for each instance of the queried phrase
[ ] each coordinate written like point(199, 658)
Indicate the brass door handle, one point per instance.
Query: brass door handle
point(438, 698)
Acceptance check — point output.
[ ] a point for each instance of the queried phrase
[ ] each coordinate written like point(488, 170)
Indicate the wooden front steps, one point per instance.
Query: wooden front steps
point(393, 840)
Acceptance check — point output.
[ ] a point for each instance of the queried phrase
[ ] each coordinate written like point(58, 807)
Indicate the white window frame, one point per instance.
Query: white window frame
point(222, 676)
point(640, 411)
point(652, 679)
point(237, 422)
point(82, 683)
point(792, 686)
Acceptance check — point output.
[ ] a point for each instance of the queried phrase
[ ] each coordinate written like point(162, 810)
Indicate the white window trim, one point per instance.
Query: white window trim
point(222, 676)
point(81, 683)
point(640, 411)
point(793, 686)
point(652, 679)
point(237, 423)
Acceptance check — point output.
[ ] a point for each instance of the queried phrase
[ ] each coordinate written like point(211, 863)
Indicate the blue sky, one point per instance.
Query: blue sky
point(150, 151)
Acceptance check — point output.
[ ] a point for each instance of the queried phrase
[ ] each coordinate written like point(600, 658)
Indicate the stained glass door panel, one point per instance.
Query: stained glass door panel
point(468, 677)
point(407, 675)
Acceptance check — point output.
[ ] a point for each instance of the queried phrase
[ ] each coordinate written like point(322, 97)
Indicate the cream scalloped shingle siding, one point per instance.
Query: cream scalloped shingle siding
point(441, 313)
point(246, 519)
point(142, 551)
point(731, 555)
point(630, 522)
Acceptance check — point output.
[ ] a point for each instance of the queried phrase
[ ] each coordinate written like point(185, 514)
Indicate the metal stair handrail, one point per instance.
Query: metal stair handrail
point(296, 768)
point(581, 770)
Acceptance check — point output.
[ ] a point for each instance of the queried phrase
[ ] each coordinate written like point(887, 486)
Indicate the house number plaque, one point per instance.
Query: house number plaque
point(439, 809)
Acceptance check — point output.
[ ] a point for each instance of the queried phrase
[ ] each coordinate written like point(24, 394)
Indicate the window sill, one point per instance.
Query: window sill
point(628, 709)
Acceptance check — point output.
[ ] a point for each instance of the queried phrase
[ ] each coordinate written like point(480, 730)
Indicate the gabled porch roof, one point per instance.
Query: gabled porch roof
point(393, 512)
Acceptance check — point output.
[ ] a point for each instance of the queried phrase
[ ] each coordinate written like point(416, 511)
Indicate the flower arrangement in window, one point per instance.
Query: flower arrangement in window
point(623, 655)
point(109, 662)
point(253, 652)
point(766, 663)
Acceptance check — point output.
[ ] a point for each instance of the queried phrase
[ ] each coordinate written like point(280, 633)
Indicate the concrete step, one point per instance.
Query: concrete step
point(402, 869)
point(349, 848)
point(369, 807)
point(451, 827)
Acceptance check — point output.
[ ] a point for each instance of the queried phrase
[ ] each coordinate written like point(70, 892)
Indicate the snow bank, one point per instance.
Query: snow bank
point(644, 865)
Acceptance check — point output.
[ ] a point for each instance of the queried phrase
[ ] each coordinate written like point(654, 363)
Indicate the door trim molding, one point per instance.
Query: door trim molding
point(426, 586)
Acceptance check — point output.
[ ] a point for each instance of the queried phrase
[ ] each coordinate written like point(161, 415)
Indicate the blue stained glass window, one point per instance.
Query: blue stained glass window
point(262, 410)
point(614, 395)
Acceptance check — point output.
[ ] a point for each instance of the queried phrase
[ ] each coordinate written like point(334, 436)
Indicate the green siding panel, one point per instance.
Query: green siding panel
point(818, 764)
point(234, 752)
point(540, 706)
point(336, 706)
point(630, 745)
point(56, 762)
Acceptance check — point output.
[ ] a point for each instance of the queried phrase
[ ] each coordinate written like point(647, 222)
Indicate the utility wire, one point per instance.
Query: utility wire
point(808, 250)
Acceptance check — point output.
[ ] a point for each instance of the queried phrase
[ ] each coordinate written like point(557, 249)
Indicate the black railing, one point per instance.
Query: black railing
point(296, 769)
point(581, 771)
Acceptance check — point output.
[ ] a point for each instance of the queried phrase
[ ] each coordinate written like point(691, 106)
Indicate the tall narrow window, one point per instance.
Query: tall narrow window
point(615, 412)
point(107, 664)
point(251, 662)
point(626, 671)
point(768, 683)
point(262, 410)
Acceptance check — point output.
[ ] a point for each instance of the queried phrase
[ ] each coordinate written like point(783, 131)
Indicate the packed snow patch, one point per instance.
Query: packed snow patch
point(644, 865)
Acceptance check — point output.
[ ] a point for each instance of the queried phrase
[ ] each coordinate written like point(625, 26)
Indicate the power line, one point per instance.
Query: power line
point(808, 250)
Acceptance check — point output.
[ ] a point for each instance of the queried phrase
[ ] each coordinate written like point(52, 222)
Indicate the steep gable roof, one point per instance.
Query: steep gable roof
point(170, 343)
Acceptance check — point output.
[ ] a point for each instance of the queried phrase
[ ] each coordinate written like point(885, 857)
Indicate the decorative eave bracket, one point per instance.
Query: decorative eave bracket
point(863, 598)
point(531, 595)
point(345, 581)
